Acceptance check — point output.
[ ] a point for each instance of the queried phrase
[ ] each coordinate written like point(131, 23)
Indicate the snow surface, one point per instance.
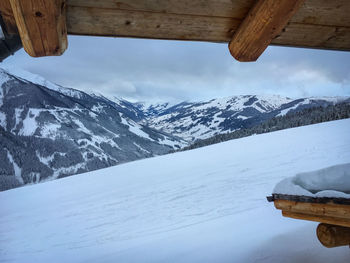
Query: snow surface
point(190, 126)
point(3, 78)
point(201, 120)
point(332, 181)
point(204, 205)
point(29, 123)
point(306, 101)
point(18, 112)
point(16, 168)
point(3, 121)
point(135, 128)
point(237, 102)
point(36, 79)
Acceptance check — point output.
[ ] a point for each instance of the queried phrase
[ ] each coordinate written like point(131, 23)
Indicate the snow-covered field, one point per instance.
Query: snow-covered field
point(204, 205)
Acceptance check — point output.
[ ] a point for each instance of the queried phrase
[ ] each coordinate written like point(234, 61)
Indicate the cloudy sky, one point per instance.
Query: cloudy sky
point(160, 70)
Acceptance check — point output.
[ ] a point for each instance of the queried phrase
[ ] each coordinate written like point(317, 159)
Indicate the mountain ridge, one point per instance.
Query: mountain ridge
point(48, 131)
point(202, 120)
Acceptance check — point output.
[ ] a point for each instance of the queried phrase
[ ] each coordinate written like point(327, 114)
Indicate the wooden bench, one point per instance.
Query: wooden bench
point(332, 213)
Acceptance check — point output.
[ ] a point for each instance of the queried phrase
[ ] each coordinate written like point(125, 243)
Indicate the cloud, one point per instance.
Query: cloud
point(151, 70)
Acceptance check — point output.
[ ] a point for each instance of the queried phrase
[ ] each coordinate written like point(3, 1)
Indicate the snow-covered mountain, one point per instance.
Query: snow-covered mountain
point(205, 205)
point(200, 120)
point(47, 131)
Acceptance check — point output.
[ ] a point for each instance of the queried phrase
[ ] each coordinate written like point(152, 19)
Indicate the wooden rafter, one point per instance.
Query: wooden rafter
point(8, 18)
point(317, 24)
point(41, 25)
point(320, 24)
point(262, 24)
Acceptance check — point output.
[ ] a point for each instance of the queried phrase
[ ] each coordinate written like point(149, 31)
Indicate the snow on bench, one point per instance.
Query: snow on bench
point(330, 182)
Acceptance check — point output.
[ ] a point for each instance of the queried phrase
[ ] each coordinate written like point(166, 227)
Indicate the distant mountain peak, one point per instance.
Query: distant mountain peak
point(201, 120)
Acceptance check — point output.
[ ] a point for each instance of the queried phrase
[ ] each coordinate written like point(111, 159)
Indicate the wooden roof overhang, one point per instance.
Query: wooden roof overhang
point(248, 26)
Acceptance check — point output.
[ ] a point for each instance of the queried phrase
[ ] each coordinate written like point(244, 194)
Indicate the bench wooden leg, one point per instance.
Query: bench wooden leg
point(332, 235)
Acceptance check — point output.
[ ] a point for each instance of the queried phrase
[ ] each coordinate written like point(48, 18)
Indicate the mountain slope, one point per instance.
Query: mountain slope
point(54, 132)
point(48, 131)
point(204, 205)
point(201, 120)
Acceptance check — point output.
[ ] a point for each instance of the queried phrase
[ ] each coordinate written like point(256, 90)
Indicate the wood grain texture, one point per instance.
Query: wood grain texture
point(323, 12)
point(317, 218)
point(333, 210)
point(41, 25)
point(314, 36)
point(8, 18)
point(122, 23)
point(333, 236)
point(262, 24)
point(212, 8)
point(317, 24)
point(318, 12)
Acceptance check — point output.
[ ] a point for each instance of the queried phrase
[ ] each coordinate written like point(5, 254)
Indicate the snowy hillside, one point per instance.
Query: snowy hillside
point(204, 205)
point(201, 120)
point(47, 131)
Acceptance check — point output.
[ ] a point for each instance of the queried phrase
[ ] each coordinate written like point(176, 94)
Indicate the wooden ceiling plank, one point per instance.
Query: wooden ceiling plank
point(314, 36)
point(41, 25)
point(262, 24)
point(8, 18)
point(123, 23)
point(317, 24)
point(213, 8)
point(323, 12)
point(317, 12)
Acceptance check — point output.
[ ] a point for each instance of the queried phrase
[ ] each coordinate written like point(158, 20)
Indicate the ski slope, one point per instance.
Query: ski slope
point(204, 205)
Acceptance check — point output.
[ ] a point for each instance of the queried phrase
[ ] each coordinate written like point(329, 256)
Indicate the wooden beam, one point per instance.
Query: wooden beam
point(213, 8)
point(314, 36)
point(320, 24)
point(329, 213)
point(317, 218)
point(8, 18)
point(333, 210)
point(333, 236)
point(124, 23)
point(312, 12)
point(262, 24)
point(93, 21)
point(41, 25)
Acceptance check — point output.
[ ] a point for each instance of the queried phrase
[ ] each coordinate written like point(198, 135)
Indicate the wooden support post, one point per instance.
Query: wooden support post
point(7, 17)
point(263, 23)
point(41, 25)
point(333, 236)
